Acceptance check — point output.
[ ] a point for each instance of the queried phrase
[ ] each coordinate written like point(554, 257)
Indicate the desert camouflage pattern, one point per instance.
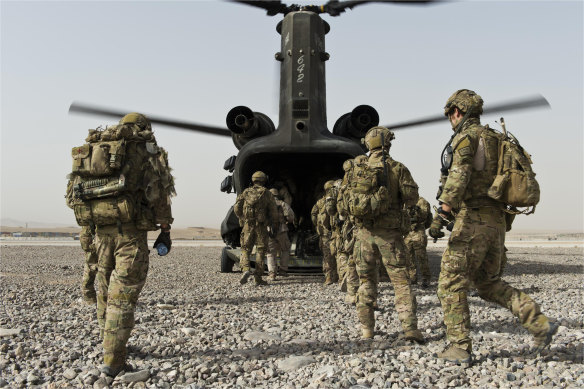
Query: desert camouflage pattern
point(122, 269)
point(473, 258)
point(324, 230)
point(388, 245)
point(90, 267)
point(475, 250)
point(382, 243)
point(121, 220)
point(255, 229)
point(417, 241)
point(280, 244)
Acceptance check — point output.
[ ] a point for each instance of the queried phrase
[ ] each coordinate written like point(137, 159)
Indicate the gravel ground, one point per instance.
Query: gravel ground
point(196, 327)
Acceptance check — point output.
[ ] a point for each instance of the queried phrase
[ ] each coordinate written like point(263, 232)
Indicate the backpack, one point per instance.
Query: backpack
point(365, 198)
point(252, 205)
point(104, 183)
point(515, 183)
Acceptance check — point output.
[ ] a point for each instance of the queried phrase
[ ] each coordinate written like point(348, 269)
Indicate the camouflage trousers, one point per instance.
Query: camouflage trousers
point(329, 263)
point(473, 258)
point(416, 242)
point(388, 246)
point(90, 267)
point(122, 268)
point(254, 235)
point(280, 244)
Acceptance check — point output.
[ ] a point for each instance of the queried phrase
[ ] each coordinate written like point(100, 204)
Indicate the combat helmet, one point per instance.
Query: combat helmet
point(464, 100)
point(360, 159)
point(373, 138)
point(138, 119)
point(275, 192)
point(348, 165)
point(328, 185)
point(259, 177)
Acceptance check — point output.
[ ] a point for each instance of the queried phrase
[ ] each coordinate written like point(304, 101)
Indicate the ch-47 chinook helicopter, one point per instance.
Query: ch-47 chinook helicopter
point(301, 153)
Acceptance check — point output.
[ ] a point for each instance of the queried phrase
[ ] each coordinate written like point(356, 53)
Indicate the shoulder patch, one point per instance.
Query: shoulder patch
point(463, 147)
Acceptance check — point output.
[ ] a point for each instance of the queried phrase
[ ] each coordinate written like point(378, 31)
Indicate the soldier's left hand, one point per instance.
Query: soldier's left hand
point(164, 237)
point(435, 230)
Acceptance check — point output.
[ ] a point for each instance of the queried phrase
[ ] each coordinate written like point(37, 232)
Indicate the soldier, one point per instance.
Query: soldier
point(121, 186)
point(376, 197)
point(256, 210)
point(336, 230)
point(322, 222)
point(416, 241)
point(280, 241)
point(90, 268)
point(476, 245)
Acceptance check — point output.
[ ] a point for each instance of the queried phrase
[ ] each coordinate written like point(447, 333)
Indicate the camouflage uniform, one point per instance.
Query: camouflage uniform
point(416, 240)
point(280, 243)
point(476, 246)
point(322, 221)
point(381, 238)
point(90, 268)
point(255, 219)
point(121, 241)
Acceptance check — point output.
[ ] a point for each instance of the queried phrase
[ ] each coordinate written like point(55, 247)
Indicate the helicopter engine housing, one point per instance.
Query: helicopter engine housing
point(246, 125)
point(355, 124)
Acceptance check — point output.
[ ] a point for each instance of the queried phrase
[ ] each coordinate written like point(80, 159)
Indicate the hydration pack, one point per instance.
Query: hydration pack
point(515, 183)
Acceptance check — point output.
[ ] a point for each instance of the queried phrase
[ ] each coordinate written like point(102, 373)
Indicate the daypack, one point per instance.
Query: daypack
point(251, 205)
point(365, 198)
point(515, 183)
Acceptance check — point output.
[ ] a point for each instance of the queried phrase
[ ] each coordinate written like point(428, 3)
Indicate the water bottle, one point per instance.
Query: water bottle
point(162, 249)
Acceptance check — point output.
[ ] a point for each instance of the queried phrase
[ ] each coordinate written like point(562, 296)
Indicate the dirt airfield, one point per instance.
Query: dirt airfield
point(196, 327)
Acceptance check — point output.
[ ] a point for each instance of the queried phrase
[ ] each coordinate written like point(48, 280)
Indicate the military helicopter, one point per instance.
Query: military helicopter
point(301, 153)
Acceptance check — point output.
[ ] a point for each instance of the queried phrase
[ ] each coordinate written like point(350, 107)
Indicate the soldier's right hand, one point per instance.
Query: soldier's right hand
point(435, 230)
point(164, 238)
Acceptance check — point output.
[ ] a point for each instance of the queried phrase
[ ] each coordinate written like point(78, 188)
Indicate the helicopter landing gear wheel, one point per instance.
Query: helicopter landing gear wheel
point(226, 262)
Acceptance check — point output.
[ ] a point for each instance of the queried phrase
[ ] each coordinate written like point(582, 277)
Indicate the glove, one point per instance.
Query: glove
point(435, 230)
point(164, 238)
point(441, 219)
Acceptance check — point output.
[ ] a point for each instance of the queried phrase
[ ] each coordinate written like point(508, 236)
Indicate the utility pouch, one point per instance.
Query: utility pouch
point(103, 212)
point(81, 160)
point(145, 219)
point(107, 157)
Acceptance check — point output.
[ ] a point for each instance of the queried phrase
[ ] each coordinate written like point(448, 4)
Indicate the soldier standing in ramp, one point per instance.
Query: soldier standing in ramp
point(256, 210)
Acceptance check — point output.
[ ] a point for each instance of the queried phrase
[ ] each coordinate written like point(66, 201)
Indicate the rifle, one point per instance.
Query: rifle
point(385, 176)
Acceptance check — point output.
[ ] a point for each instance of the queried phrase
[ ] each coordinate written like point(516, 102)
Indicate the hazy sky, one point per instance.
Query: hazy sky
point(194, 60)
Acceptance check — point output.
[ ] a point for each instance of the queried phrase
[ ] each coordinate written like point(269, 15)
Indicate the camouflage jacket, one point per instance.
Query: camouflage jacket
point(474, 166)
point(320, 217)
point(420, 215)
point(285, 215)
point(403, 190)
point(256, 206)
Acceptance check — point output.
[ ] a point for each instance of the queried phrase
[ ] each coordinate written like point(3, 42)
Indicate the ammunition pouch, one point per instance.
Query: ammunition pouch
point(103, 212)
point(98, 159)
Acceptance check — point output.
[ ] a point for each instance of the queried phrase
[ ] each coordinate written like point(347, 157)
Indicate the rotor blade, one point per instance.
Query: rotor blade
point(517, 105)
point(335, 8)
point(272, 7)
point(92, 110)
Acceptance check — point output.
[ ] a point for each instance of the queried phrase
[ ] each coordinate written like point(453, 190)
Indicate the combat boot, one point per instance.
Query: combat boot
point(350, 299)
point(259, 281)
point(414, 336)
point(90, 299)
point(328, 280)
point(283, 273)
point(272, 276)
point(244, 277)
point(366, 332)
point(455, 355)
point(113, 371)
point(543, 341)
point(425, 283)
